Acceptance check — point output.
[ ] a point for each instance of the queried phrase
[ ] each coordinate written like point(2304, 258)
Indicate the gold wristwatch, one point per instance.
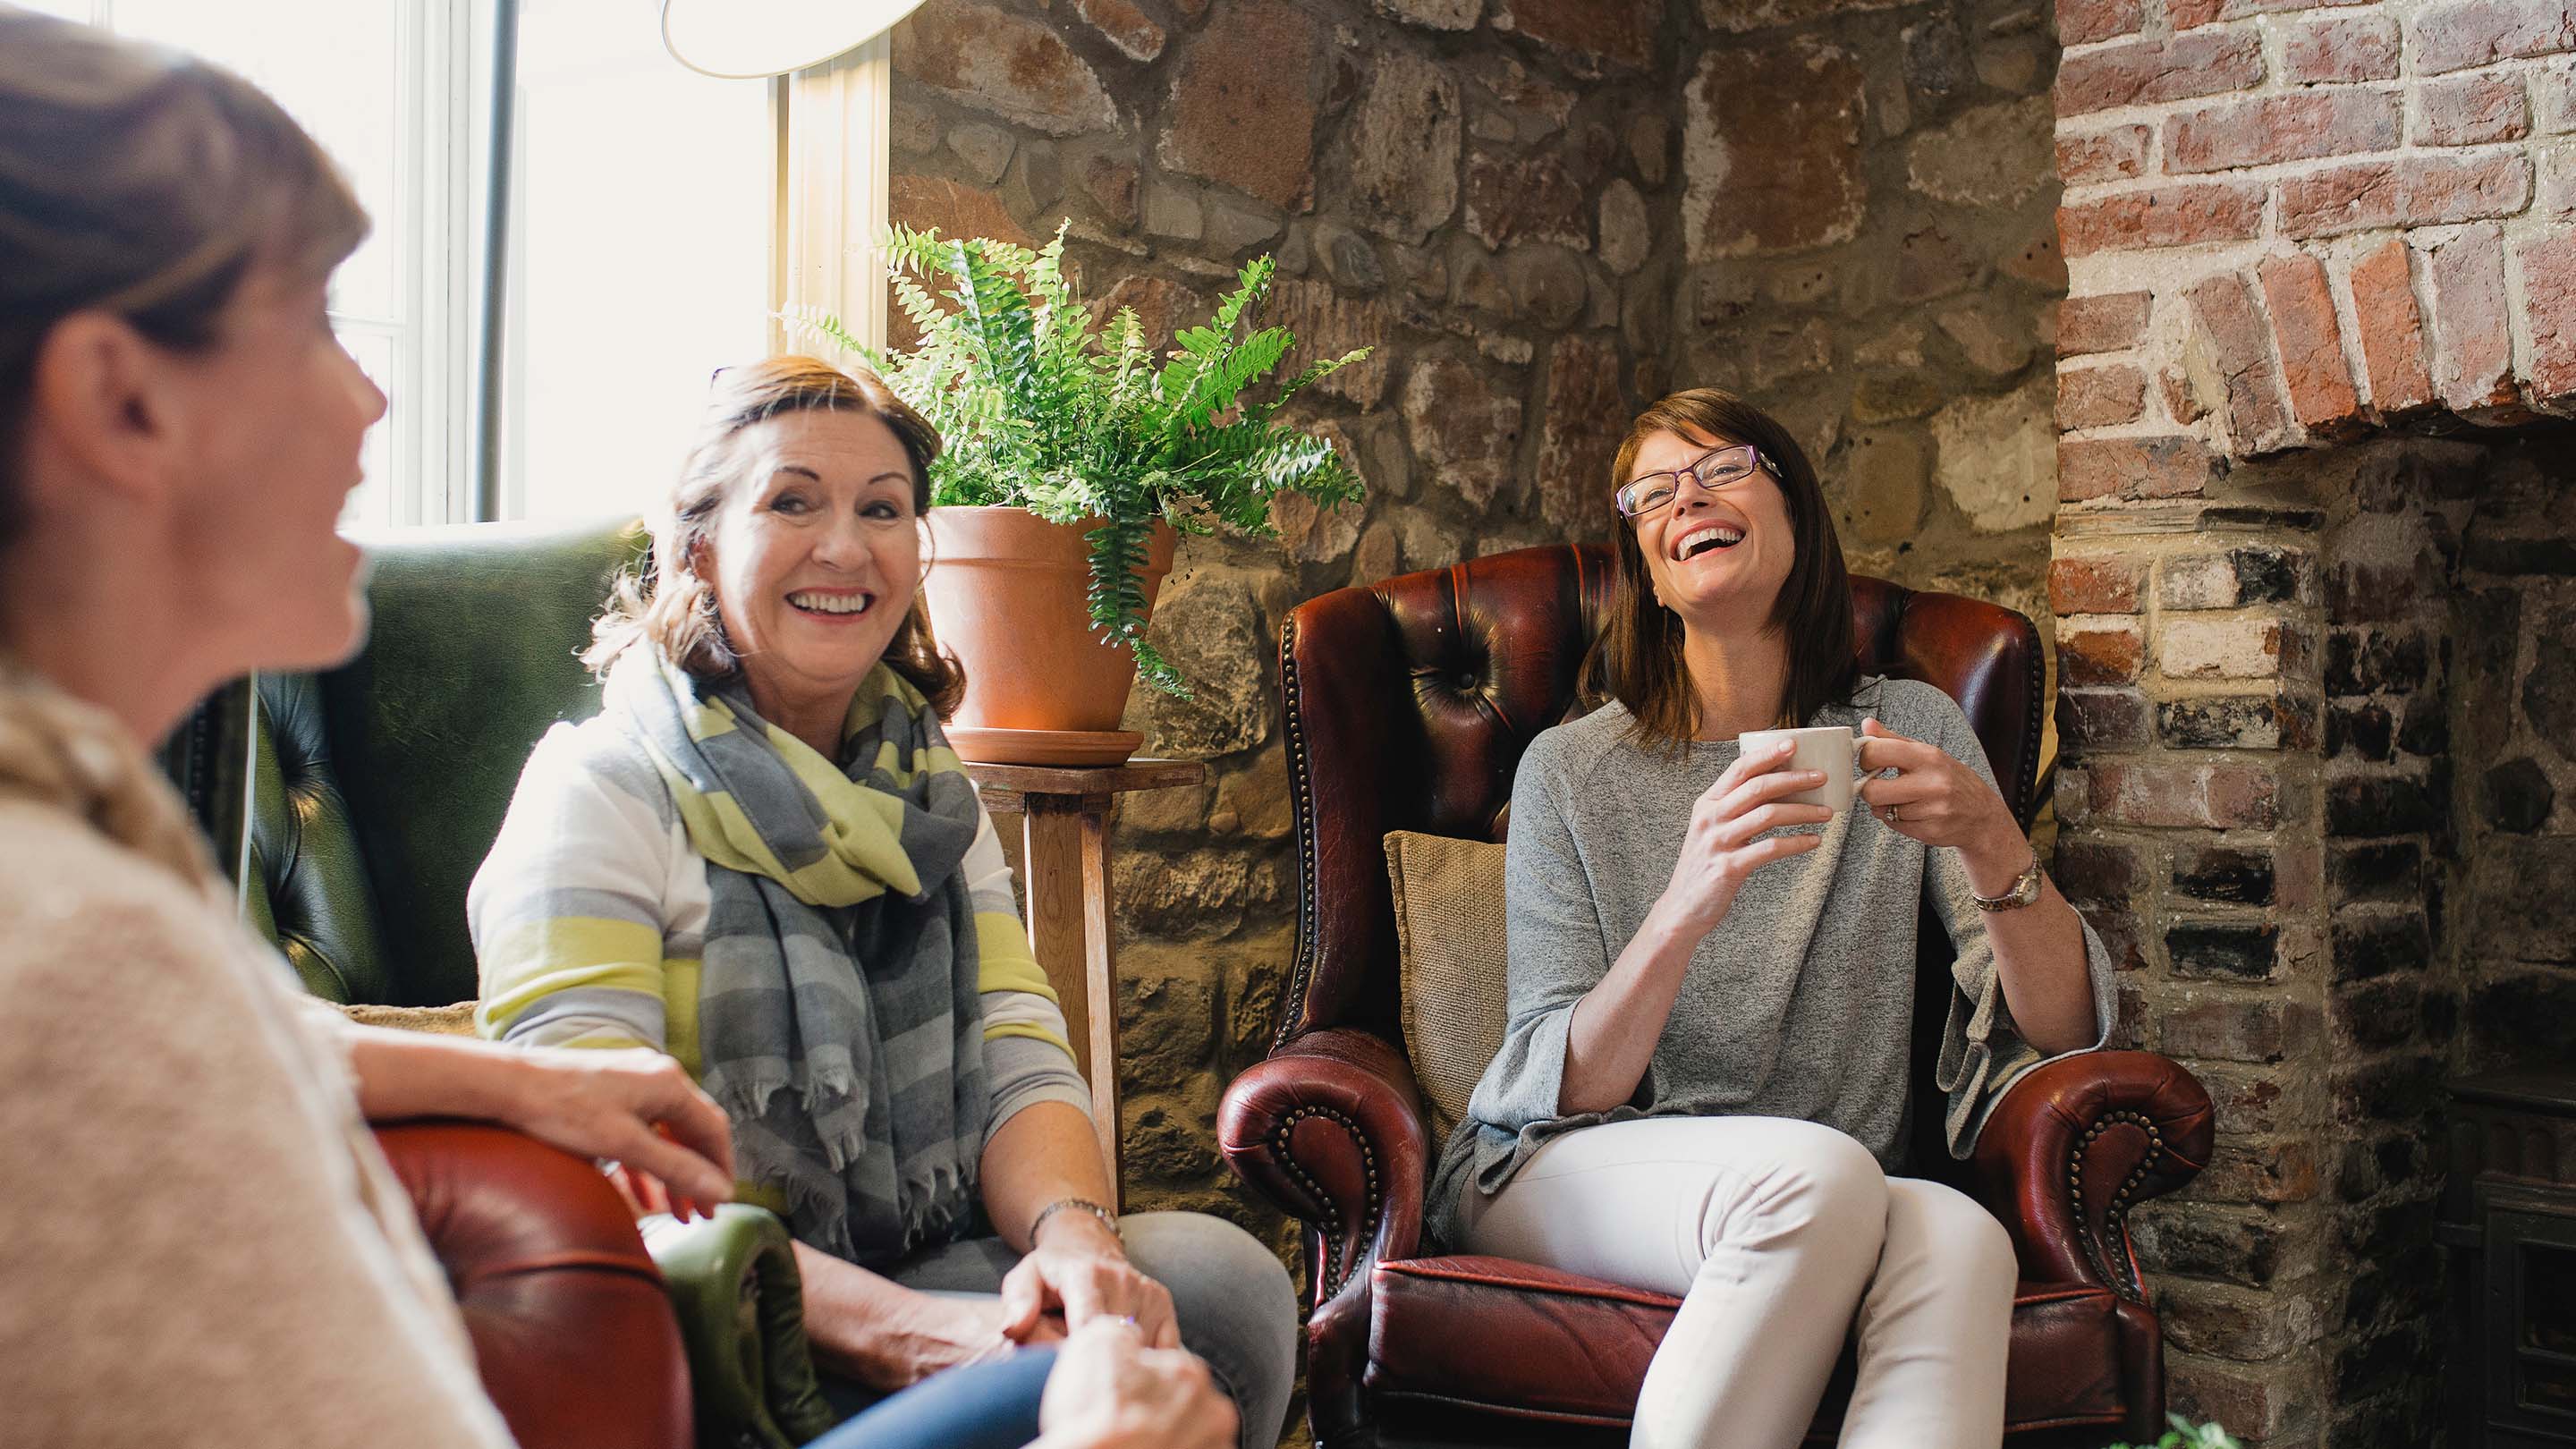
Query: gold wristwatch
point(2024, 891)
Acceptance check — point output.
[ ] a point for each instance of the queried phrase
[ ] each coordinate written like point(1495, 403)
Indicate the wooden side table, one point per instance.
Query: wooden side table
point(1064, 813)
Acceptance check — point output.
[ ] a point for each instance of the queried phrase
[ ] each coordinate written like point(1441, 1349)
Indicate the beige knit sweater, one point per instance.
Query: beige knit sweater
point(199, 1243)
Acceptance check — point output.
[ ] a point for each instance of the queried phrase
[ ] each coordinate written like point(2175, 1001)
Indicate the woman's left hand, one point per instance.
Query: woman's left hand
point(1932, 797)
point(1078, 1268)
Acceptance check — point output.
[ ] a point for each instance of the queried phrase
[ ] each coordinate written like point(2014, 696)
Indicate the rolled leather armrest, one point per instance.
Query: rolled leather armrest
point(741, 1308)
point(1330, 1127)
point(2074, 1145)
point(572, 1332)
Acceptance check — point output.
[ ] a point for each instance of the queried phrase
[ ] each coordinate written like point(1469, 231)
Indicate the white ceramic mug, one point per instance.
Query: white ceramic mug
point(1826, 747)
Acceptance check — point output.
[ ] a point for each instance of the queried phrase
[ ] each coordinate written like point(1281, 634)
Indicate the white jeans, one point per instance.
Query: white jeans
point(1780, 1237)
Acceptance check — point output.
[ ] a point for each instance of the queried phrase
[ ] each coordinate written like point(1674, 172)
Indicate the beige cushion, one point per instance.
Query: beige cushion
point(457, 1020)
point(1449, 928)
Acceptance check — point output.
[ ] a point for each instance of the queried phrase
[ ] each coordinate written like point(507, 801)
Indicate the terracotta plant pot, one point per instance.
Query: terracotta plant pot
point(1005, 591)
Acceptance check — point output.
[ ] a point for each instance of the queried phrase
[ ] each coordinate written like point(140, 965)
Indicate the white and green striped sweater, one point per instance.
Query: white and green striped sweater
point(590, 912)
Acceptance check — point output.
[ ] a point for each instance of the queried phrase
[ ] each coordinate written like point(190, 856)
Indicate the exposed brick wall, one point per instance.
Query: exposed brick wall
point(2303, 791)
point(2340, 218)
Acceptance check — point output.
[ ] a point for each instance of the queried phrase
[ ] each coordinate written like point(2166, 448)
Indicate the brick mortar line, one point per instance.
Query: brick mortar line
point(2271, 24)
point(2268, 172)
point(2124, 262)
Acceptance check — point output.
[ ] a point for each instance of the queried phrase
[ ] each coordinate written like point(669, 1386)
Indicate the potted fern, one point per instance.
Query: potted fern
point(1074, 455)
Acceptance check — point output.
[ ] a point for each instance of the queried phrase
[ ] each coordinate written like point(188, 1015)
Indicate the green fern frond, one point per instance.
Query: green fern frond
point(1044, 407)
point(1314, 373)
point(1254, 282)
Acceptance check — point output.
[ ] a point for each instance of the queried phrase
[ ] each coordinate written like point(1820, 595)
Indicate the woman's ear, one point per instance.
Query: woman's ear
point(104, 403)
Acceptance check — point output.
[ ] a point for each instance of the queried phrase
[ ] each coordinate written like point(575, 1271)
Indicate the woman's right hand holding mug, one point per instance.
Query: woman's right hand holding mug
point(1725, 842)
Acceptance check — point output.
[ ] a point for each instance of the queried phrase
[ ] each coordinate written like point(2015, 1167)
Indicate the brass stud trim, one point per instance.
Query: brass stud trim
point(1338, 1267)
point(1301, 972)
point(2112, 1237)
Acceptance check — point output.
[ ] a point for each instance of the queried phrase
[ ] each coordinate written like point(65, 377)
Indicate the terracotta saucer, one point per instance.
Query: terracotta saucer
point(1043, 747)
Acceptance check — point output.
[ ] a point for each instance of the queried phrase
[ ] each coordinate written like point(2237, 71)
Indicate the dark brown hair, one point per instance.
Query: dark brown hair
point(673, 607)
point(145, 183)
point(1638, 658)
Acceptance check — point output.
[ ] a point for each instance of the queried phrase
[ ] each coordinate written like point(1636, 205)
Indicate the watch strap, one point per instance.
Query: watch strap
point(2025, 890)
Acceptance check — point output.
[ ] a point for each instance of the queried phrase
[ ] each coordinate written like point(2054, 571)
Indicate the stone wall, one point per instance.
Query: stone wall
point(1868, 248)
point(1479, 189)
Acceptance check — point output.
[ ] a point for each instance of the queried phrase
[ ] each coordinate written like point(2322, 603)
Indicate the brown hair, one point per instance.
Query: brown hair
point(1638, 658)
point(671, 606)
point(145, 183)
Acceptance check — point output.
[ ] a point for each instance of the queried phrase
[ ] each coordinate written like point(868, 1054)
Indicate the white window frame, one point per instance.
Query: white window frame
point(831, 168)
point(836, 166)
point(433, 483)
point(433, 210)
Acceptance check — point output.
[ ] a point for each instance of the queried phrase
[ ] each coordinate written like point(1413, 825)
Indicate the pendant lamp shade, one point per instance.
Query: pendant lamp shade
point(750, 39)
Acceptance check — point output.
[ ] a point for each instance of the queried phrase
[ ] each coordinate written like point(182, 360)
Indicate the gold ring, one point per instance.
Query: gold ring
point(1891, 815)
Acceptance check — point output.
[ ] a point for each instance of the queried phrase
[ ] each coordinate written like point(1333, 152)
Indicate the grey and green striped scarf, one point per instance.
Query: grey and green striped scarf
point(838, 1012)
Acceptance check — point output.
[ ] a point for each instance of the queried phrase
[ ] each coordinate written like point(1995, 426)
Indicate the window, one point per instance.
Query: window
point(643, 202)
point(657, 217)
point(375, 82)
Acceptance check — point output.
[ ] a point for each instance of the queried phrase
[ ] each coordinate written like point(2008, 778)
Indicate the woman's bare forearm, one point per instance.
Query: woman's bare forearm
point(879, 1332)
point(2040, 960)
point(417, 1074)
point(1044, 1154)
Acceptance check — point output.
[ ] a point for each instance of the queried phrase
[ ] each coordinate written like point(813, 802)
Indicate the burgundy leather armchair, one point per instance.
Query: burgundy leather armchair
point(573, 1331)
point(1408, 705)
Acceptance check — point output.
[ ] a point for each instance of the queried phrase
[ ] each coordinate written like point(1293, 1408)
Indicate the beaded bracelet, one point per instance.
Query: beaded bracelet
point(1107, 1218)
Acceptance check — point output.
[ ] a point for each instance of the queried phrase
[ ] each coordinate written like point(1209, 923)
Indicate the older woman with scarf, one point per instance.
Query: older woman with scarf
point(763, 858)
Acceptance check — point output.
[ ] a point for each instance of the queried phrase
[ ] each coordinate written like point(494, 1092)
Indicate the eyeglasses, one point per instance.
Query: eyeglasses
point(1715, 469)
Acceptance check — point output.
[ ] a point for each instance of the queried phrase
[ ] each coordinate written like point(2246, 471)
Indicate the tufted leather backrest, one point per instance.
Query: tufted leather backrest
point(379, 786)
point(1410, 701)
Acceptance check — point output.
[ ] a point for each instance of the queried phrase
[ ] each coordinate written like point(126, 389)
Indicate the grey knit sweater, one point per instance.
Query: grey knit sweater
point(1798, 1005)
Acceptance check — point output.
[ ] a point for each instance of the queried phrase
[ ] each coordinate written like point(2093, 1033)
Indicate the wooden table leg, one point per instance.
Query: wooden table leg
point(1066, 844)
point(1100, 989)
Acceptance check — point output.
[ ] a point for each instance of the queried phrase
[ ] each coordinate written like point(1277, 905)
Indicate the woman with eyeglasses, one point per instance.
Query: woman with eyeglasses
point(1702, 1088)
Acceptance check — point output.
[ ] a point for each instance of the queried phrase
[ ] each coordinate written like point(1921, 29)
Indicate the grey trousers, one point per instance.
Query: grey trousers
point(1236, 1307)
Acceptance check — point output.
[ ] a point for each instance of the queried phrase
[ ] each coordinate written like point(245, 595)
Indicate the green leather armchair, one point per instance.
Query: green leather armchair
point(357, 805)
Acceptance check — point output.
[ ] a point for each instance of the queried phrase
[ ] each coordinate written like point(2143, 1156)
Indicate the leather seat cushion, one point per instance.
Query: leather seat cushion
point(1536, 1343)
